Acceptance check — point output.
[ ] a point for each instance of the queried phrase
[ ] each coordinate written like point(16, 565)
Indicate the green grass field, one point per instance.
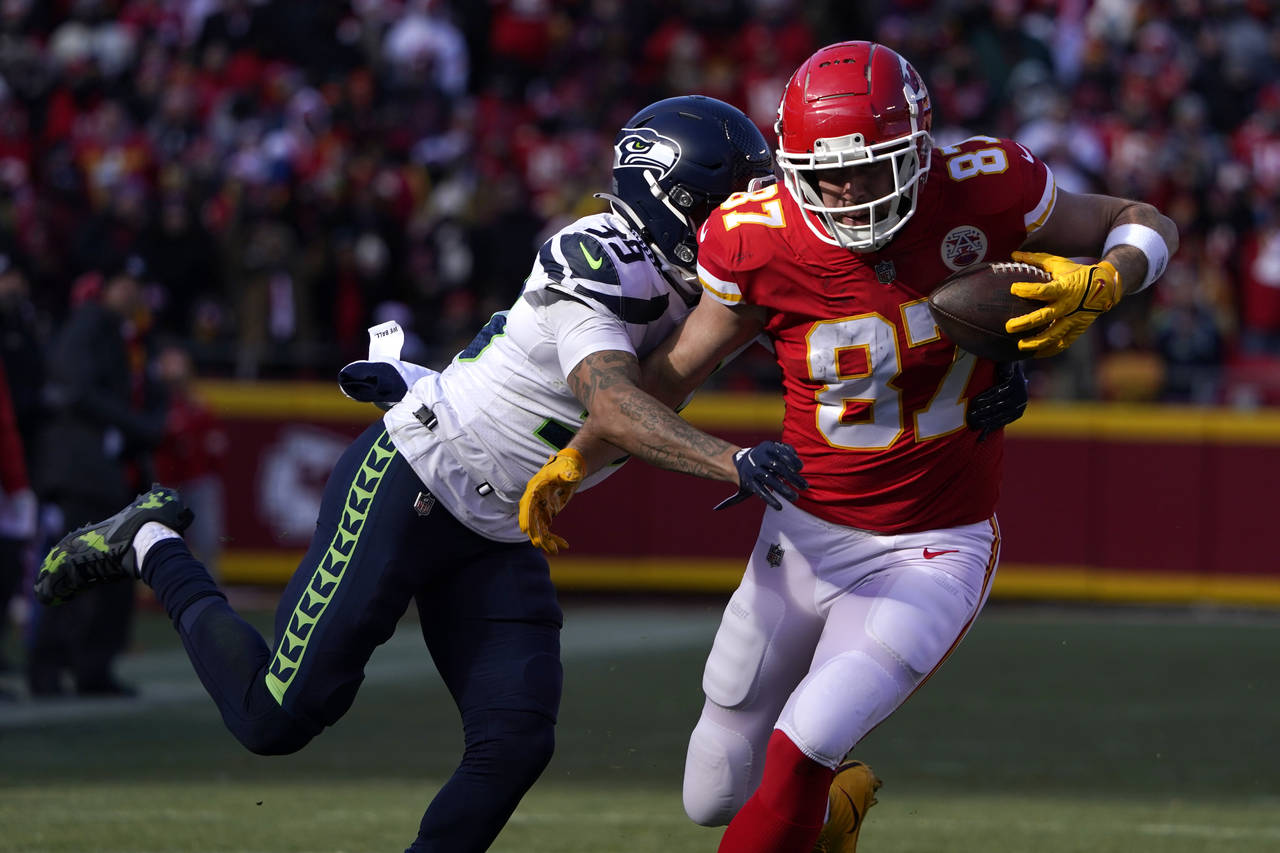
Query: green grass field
point(1050, 730)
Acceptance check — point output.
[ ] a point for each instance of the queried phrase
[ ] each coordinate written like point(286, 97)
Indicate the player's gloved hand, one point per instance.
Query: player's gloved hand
point(1077, 295)
point(546, 494)
point(1002, 403)
point(377, 382)
point(769, 467)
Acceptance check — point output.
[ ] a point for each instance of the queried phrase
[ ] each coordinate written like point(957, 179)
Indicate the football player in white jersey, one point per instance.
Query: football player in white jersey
point(422, 507)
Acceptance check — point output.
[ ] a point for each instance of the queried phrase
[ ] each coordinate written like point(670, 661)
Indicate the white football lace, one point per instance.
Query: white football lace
point(1019, 268)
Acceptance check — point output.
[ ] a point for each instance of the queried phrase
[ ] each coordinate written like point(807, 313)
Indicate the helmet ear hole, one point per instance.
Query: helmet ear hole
point(681, 197)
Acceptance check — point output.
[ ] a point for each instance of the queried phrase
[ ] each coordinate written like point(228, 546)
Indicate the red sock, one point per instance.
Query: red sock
point(786, 812)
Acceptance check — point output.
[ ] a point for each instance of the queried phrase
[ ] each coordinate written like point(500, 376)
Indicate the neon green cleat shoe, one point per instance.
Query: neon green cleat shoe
point(103, 552)
point(853, 792)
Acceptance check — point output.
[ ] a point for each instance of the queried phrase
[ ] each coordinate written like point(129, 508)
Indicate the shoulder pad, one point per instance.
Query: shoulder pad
point(726, 245)
point(997, 174)
point(587, 258)
point(597, 262)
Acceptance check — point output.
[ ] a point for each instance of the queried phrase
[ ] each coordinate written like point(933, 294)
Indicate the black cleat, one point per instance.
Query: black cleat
point(103, 552)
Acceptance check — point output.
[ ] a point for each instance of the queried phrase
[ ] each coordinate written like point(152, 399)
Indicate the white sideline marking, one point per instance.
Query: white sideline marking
point(166, 678)
point(1209, 831)
point(1053, 827)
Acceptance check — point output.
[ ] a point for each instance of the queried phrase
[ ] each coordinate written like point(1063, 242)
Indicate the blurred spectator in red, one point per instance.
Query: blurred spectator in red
point(1257, 145)
point(22, 345)
point(17, 515)
point(112, 152)
point(1260, 289)
point(191, 454)
point(296, 138)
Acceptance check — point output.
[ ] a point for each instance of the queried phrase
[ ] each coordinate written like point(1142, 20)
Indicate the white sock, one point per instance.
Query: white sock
point(148, 535)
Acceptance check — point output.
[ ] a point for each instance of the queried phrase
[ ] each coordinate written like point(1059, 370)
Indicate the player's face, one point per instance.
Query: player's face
point(857, 185)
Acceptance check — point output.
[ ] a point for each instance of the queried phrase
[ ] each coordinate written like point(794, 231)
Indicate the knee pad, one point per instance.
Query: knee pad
point(834, 707)
point(718, 773)
point(512, 744)
point(733, 664)
point(544, 680)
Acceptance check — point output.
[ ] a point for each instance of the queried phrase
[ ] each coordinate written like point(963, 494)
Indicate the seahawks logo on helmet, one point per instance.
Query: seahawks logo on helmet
point(643, 148)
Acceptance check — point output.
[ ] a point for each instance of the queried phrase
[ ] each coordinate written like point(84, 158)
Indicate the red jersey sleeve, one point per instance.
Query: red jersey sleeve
point(1011, 179)
point(726, 256)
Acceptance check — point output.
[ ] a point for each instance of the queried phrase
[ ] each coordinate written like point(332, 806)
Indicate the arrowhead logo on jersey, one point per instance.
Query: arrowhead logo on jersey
point(963, 247)
point(643, 148)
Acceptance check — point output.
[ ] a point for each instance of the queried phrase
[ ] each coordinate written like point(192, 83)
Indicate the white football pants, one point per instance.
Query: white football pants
point(831, 629)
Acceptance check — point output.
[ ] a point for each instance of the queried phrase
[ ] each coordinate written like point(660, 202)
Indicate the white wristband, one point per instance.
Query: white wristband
point(1145, 240)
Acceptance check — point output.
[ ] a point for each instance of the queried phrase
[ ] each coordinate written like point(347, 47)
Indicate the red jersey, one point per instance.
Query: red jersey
point(875, 397)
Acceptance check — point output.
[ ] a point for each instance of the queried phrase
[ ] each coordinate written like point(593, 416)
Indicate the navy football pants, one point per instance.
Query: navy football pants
point(489, 617)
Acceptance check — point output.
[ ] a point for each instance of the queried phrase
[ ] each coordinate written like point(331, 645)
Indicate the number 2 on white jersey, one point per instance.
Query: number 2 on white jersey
point(869, 382)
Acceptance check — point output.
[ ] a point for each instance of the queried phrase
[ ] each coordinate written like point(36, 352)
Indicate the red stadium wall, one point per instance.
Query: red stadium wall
point(1100, 502)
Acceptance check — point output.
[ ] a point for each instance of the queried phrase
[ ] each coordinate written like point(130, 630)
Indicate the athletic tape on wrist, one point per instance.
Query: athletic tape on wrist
point(1146, 240)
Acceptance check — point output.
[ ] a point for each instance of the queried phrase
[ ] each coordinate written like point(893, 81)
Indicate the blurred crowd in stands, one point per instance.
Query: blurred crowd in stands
point(238, 188)
point(279, 175)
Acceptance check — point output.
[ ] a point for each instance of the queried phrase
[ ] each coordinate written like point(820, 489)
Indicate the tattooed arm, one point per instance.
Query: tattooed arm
point(631, 408)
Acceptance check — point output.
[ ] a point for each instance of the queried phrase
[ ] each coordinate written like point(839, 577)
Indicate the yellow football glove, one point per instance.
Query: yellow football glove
point(546, 494)
point(1077, 295)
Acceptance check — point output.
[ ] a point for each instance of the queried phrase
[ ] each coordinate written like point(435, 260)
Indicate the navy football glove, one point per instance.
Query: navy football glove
point(769, 467)
point(1002, 403)
point(376, 382)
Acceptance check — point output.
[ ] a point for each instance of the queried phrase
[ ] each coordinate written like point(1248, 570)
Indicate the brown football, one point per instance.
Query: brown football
point(971, 307)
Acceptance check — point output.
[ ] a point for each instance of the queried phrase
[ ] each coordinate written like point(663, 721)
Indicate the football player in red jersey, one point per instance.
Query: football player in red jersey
point(859, 590)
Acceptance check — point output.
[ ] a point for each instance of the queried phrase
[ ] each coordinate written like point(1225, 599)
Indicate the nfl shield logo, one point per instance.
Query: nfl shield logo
point(424, 503)
point(775, 555)
point(885, 272)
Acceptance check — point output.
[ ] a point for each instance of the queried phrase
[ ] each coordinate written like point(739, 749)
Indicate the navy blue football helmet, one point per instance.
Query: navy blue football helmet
point(674, 162)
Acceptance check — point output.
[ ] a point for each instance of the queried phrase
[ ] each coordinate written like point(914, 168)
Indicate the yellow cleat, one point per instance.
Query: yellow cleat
point(853, 791)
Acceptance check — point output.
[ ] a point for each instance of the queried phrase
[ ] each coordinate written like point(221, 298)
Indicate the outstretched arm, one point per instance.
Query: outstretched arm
point(632, 407)
point(624, 416)
point(631, 410)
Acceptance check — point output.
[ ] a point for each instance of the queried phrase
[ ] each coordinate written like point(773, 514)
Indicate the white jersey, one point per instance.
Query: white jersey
point(476, 432)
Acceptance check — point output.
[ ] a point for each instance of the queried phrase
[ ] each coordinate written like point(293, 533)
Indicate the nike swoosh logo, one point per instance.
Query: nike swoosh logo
point(595, 263)
point(929, 555)
point(857, 817)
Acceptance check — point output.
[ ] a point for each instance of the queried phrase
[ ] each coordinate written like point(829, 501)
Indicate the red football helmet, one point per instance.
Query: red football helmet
point(855, 106)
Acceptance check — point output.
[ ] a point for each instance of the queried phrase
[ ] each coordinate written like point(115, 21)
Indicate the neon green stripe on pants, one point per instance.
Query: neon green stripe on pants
point(328, 574)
